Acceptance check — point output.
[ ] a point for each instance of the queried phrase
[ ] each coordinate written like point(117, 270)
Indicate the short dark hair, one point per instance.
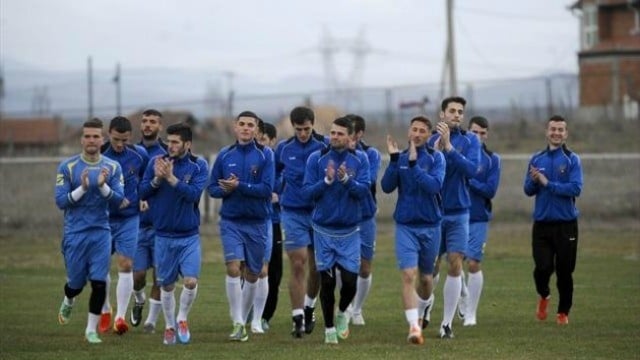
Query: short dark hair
point(423, 119)
point(94, 123)
point(270, 130)
point(181, 129)
point(358, 122)
point(250, 114)
point(556, 118)
point(300, 114)
point(480, 121)
point(152, 112)
point(452, 99)
point(120, 124)
point(346, 122)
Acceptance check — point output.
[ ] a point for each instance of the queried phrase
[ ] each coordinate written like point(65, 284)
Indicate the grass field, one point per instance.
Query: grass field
point(605, 319)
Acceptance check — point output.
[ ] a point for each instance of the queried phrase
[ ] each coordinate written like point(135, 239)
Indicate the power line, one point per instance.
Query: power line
point(511, 16)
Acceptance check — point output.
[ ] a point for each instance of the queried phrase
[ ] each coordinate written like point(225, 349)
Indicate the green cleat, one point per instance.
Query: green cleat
point(64, 315)
point(331, 337)
point(92, 337)
point(239, 333)
point(342, 325)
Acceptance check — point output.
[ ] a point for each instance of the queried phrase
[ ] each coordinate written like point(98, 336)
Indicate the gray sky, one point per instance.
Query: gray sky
point(271, 40)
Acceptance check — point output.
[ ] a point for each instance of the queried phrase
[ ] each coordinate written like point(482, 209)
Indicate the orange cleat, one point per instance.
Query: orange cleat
point(105, 322)
point(541, 310)
point(562, 319)
point(415, 336)
point(120, 326)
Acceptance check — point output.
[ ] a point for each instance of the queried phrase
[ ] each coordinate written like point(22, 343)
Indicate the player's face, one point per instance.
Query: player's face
point(453, 115)
point(176, 147)
point(482, 133)
point(557, 133)
point(91, 141)
point(119, 140)
point(245, 129)
point(150, 127)
point(340, 137)
point(303, 131)
point(419, 132)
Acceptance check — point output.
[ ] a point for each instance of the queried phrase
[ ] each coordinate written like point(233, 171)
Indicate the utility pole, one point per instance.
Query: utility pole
point(90, 86)
point(230, 93)
point(116, 80)
point(451, 54)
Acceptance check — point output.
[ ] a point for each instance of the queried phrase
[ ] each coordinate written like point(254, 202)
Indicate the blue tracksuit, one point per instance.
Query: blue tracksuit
point(157, 148)
point(175, 212)
point(462, 164)
point(369, 205)
point(290, 161)
point(337, 205)
point(253, 164)
point(419, 184)
point(484, 185)
point(133, 161)
point(556, 201)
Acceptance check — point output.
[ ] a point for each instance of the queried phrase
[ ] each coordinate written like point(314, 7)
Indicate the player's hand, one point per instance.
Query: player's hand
point(102, 176)
point(159, 168)
point(229, 184)
point(413, 152)
point(144, 205)
point(392, 145)
point(330, 172)
point(343, 175)
point(125, 202)
point(445, 136)
point(84, 178)
point(275, 198)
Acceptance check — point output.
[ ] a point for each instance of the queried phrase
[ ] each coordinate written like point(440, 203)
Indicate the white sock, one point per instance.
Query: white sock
point(154, 310)
point(248, 295)
point(412, 316)
point(92, 323)
point(476, 281)
point(106, 307)
point(422, 303)
point(168, 308)
point(309, 301)
point(451, 294)
point(123, 293)
point(463, 283)
point(260, 298)
point(234, 296)
point(139, 295)
point(364, 284)
point(186, 300)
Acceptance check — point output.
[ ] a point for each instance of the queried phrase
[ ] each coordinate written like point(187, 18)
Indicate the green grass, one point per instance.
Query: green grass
point(605, 319)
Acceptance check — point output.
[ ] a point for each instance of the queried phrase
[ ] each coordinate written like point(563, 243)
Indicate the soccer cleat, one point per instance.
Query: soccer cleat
point(92, 337)
point(265, 325)
point(342, 325)
point(541, 310)
point(330, 336)
point(445, 332)
point(120, 326)
point(298, 326)
point(309, 319)
point(183, 332)
point(256, 327)
point(169, 336)
point(105, 322)
point(149, 328)
point(469, 321)
point(426, 317)
point(239, 333)
point(64, 315)
point(415, 335)
point(357, 319)
point(562, 319)
point(462, 307)
point(136, 313)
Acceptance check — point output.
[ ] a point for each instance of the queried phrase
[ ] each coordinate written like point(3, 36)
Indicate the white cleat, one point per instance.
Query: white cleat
point(357, 319)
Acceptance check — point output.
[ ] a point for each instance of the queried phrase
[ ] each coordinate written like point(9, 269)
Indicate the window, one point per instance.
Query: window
point(589, 26)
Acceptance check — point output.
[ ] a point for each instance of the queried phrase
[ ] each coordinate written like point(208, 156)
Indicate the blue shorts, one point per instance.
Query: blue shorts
point(337, 247)
point(455, 233)
point(242, 241)
point(417, 246)
point(87, 256)
point(177, 256)
point(297, 229)
point(144, 258)
point(368, 238)
point(268, 247)
point(477, 240)
point(124, 236)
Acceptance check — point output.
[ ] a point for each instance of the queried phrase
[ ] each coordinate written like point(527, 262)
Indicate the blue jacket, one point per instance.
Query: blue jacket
point(462, 164)
point(337, 205)
point(133, 161)
point(291, 159)
point(253, 165)
point(484, 185)
point(419, 184)
point(557, 200)
point(369, 205)
point(91, 211)
point(174, 210)
point(157, 148)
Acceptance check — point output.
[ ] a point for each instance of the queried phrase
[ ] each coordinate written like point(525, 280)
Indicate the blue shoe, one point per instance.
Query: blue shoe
point(183, 332)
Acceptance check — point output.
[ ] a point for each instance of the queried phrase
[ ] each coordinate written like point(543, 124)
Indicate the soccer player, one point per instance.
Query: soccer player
point(86, 185)
point(150, 126)
point(174, 183)
point(242, 176)
point(336, 180)
point(291, 157)
point(461, 150)
point(482, 188)
point(418, 174)
point(554, 177)
point(123, 219)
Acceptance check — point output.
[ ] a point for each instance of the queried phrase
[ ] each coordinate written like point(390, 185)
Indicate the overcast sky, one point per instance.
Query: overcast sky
point(271, 40)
